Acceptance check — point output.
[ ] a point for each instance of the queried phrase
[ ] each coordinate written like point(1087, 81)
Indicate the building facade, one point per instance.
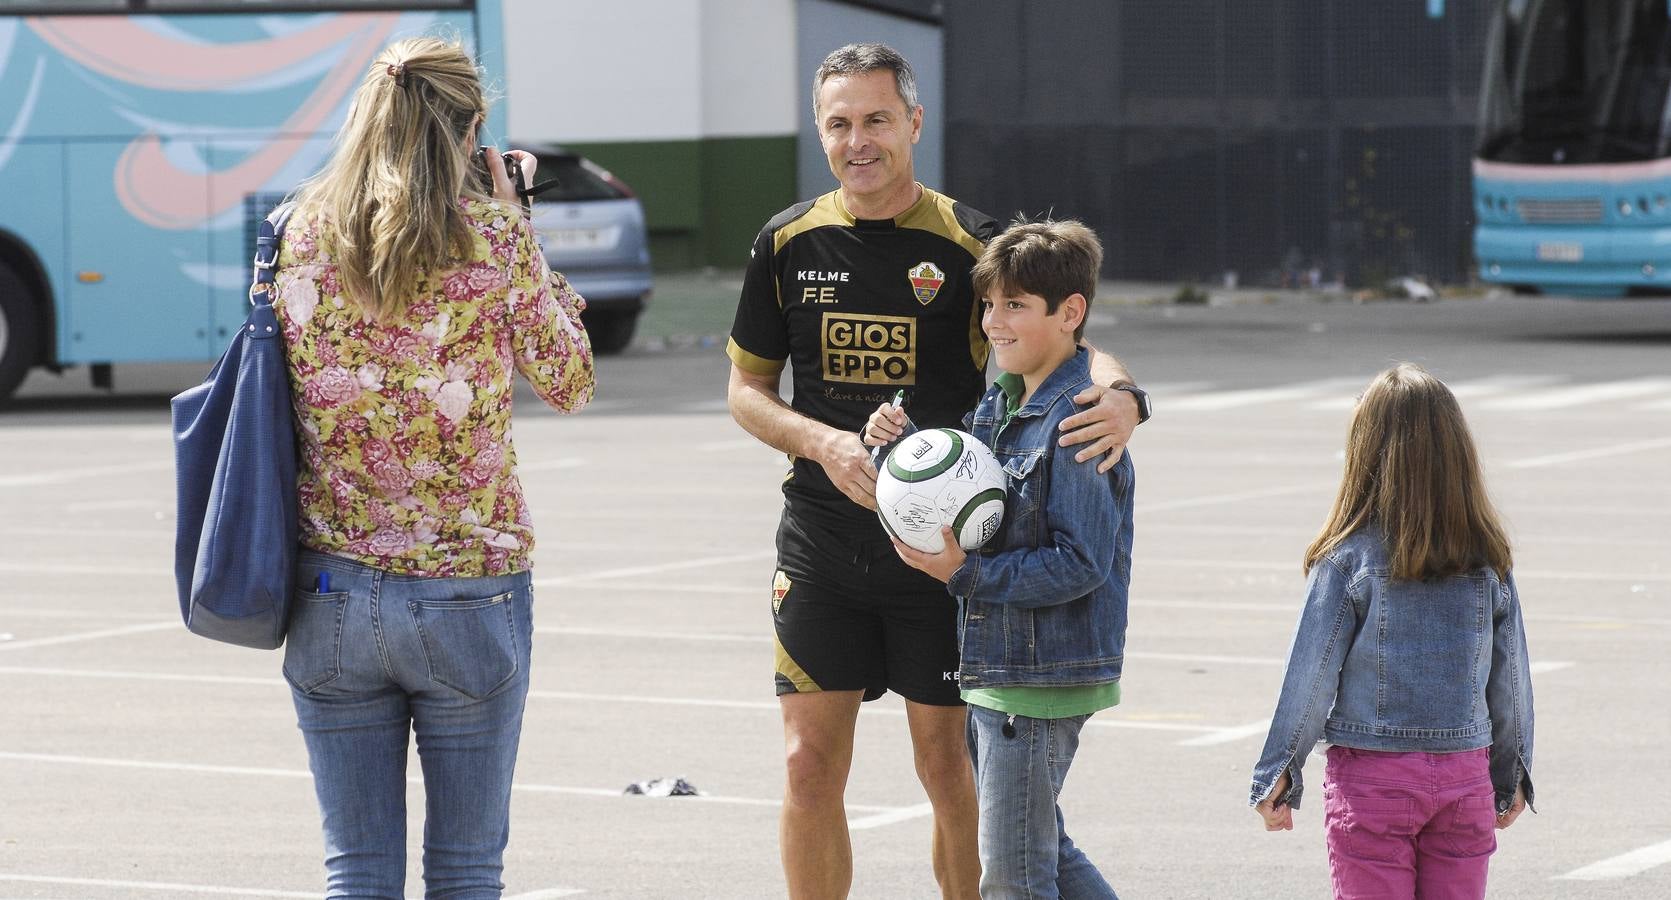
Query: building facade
point(1279, 140)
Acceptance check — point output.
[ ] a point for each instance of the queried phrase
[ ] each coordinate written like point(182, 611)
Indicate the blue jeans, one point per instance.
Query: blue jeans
point(1025, 852)
point(378, 656)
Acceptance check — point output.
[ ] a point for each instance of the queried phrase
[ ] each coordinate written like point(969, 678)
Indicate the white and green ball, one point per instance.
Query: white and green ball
point(937, 477)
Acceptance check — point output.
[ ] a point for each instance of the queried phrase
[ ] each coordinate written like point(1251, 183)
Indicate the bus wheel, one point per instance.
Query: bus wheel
point(19, 336)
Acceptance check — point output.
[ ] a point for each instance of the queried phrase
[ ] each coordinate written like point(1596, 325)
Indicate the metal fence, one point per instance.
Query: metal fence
point(1280, 140)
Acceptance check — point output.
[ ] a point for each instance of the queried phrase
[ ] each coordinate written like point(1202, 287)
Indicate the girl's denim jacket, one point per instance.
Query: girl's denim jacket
point(1044, 602)
point(1381, 664)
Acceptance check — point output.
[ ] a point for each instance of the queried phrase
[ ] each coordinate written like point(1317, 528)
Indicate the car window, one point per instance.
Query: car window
point(578, 179)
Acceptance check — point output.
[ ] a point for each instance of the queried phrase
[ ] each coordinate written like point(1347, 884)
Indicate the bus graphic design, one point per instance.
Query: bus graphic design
point(137, 149)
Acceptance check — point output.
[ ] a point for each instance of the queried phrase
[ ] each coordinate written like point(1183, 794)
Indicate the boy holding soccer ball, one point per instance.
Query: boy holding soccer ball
point(1043, 624)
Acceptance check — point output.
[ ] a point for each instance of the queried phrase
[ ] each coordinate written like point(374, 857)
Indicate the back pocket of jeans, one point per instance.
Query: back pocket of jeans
point(1371, 827)
point(470, 645)
point(313, 641)
point(1471, 829)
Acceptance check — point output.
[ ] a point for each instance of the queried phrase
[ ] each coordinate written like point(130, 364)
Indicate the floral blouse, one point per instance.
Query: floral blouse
point(404, 434)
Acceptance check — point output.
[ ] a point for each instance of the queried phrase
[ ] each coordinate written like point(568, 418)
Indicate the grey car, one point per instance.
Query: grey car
point(592, 228)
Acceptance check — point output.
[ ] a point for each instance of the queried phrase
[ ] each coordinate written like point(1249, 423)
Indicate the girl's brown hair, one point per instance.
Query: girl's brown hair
point(1412, 471)
point(390, 191)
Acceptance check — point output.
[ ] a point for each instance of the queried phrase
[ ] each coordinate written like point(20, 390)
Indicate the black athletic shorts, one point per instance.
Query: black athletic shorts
point(853, 617)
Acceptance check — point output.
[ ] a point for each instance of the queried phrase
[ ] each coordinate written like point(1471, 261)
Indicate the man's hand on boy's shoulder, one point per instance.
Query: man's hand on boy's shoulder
point(1106, 427)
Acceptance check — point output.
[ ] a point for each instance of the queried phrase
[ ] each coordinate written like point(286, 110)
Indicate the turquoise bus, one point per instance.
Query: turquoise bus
point(140, 140)
point(1572, 175)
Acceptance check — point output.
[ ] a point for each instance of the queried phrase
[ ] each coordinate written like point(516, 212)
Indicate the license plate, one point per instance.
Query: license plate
point(582, 238)
point(1559, 252)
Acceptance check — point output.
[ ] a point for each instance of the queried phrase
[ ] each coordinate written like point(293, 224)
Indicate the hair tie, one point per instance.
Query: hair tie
point(397, 71)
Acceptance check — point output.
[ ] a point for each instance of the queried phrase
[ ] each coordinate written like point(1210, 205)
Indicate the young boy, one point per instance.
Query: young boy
point(1044, 604)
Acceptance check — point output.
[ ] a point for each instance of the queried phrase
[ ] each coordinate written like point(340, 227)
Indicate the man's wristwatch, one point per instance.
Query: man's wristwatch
point(1138, 394)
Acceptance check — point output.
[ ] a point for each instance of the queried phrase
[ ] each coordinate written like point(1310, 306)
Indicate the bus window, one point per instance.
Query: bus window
point(297, 5)
point(40, 7)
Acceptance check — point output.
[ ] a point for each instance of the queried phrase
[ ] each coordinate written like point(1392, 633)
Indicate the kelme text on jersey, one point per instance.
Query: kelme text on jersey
point(865, 349)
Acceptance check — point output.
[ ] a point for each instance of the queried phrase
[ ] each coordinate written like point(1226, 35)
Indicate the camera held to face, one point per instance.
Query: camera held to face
point(513, 171)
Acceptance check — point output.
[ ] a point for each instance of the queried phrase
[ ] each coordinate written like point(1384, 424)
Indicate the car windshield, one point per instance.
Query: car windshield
point(1577, 81)
point(578, 179)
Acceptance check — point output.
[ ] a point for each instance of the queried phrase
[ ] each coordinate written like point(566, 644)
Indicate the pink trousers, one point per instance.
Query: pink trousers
point(1408, 825)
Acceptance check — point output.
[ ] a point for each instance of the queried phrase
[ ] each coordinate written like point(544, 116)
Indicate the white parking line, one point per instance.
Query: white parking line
point(543, 465)
point(638, 634)
point(1464, 390)
point(711, 406)
point(903, 814)
point(1207, 658)
point(35, 612)
point(1624, 865)
point(1238, 732)
point(72, 568)
point(1558, 398)
point(143, 676)
point(59, 476)
point(865, 710)
point(1229, 399)
point(1216, 499)
point(1291, 609)
point(89, 635)
point(733, 446)
point(661, 567)
point(102, 505)
point(171, 887)
point(1555, 459)
point(1497, 384)
point(268, 772)
point(1227, 735)
point(575, 696)
point(1294, 569)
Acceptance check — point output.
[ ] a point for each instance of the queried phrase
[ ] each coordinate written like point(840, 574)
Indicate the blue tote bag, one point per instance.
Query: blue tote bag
point(235, 478)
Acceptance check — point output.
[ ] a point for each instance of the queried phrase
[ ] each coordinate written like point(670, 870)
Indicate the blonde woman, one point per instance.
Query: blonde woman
point(1410, 660)
point(409, 299)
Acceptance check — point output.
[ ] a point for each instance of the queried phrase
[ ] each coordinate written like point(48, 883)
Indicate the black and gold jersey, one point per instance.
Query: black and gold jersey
point(859, 309)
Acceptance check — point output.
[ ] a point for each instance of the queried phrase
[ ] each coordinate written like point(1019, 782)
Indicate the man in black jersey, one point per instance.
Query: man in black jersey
point(863, 292)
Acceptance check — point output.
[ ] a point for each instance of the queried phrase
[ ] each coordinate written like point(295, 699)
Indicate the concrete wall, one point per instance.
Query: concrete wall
point(691, 102)
point(702, 106)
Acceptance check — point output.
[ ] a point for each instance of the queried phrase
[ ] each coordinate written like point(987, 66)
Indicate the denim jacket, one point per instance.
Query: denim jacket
point(1381, 664)
point(1044, 603)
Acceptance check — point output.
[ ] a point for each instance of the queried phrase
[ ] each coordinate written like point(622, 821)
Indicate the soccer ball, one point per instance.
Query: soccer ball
point(937, 477)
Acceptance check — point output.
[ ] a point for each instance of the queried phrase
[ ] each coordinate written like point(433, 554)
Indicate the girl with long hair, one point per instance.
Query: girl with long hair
point(1409, 660)
point(409, 299)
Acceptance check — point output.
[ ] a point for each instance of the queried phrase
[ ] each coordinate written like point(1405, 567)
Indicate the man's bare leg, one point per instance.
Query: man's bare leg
point(812, 833)
point(939, 739)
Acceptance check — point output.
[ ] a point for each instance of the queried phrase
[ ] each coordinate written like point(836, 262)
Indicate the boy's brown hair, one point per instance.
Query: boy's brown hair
point(1049, 259)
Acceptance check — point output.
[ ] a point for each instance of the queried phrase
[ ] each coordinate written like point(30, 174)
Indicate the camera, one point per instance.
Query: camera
point(513, 170)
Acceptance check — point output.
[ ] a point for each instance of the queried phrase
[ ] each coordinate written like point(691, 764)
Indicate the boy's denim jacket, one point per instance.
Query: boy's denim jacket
point(1044, 603)
point(1379, 664)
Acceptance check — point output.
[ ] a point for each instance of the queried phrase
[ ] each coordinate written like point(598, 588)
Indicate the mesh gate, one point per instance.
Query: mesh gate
point(1269, 138)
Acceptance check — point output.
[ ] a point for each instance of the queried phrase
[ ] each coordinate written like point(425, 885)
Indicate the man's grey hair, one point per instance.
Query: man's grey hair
point(858, 59)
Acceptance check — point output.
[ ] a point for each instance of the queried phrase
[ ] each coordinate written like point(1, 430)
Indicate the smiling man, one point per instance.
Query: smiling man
point(862, 293)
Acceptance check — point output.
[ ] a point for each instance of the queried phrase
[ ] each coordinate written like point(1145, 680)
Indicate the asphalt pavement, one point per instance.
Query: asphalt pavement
point(139, 761)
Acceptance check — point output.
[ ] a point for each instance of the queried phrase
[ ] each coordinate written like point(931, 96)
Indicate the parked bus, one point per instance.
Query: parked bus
point(1572, 176)
point(140, 142)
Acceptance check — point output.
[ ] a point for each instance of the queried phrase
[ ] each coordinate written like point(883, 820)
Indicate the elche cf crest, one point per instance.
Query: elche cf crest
point(926, 279)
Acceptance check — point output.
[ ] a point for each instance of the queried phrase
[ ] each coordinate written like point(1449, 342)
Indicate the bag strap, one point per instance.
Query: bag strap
point(267, 240)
